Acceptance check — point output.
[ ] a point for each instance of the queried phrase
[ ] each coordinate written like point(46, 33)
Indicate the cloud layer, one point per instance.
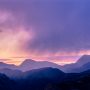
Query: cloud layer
point(57, 26)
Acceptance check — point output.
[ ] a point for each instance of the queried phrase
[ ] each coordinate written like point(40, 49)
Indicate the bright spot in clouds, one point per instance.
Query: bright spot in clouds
point(13, 36)
point(50, 30)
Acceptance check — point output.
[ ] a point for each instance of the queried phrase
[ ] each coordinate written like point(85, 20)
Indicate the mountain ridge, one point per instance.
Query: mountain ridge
point(29, 64)
point(85, 59)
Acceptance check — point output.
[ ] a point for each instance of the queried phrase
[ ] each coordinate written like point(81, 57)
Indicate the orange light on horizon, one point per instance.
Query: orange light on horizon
point(13, 39)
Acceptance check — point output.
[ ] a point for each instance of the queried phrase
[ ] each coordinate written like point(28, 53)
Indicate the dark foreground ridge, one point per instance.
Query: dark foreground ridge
point(46, 79)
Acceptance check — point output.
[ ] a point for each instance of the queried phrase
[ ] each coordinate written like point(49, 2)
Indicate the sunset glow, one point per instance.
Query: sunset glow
point(40, 32)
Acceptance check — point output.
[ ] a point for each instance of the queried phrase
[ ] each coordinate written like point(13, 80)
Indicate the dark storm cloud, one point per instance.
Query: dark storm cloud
point(59, 25)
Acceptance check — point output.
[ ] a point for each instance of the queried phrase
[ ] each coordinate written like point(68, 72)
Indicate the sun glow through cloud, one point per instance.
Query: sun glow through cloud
point(40, 32)
point(13, 36)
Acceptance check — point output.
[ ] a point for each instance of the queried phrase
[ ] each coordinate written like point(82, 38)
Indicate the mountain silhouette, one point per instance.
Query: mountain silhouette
point(6, 83)
point(47, 79)
point(83, 60)
point(11, 73)
point(82, 68)
point(4, 65)
point(81, 65)
point(47, 72)
point(29, 64)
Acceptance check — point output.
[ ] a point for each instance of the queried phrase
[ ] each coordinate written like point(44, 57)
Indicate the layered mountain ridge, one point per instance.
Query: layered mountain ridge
point(81, 65)
point(46, 79)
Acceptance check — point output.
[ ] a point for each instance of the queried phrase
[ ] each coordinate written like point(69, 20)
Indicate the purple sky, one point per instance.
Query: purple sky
point(48, 28)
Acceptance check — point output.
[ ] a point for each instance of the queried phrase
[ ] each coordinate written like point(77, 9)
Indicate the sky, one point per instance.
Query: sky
point(44, 30)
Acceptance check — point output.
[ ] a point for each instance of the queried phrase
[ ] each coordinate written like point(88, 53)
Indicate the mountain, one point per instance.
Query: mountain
point(82, 68)
point(11, 73)
point(85, 67)
point(4, 65)
point(47, 72)
point(80, 64)
point(39, 79)
point(81, 83)
point(29, 64)
point(54, 79)
point(83, 60)
point(47, 79)
point(6, 83)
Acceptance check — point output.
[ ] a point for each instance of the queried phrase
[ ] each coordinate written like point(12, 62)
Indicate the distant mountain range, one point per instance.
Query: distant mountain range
point(29, 64)
point(81, 65)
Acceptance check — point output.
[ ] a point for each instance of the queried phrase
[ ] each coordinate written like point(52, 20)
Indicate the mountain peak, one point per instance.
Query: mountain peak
point(46, 72)
point(50, 69)
point(29, 64)
point(28, 60)
point(84, 59)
